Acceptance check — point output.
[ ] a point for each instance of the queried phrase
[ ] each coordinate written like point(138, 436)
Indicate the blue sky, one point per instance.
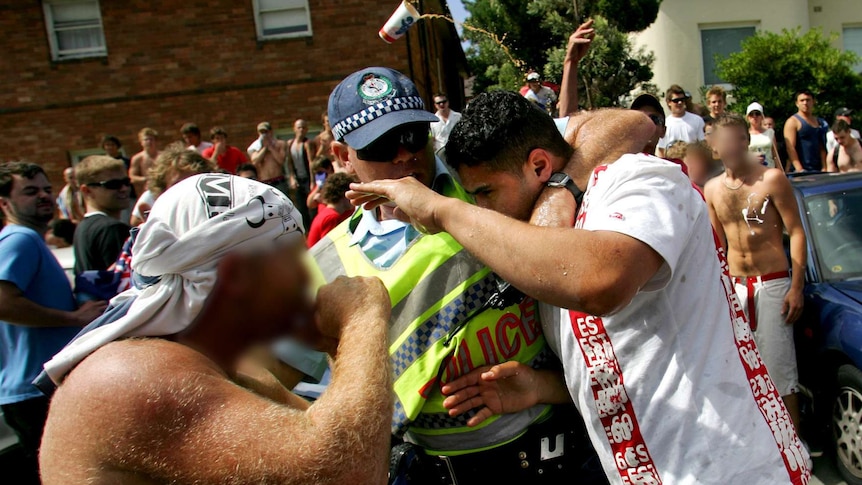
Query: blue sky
point(458, 12)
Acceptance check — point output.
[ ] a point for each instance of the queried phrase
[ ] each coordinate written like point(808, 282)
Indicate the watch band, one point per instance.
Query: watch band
point(562, 180)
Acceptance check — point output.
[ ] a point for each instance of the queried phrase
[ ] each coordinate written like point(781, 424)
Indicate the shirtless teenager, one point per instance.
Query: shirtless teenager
point(750, 206)
point(174, 405)
point(267, 154)
point(846, 156)
point(144, 159)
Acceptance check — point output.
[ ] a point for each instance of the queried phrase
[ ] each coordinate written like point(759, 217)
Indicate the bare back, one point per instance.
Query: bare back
point(132, 413)
point(748, 214)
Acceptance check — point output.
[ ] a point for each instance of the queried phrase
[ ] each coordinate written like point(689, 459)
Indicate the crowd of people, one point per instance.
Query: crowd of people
point(501, 296)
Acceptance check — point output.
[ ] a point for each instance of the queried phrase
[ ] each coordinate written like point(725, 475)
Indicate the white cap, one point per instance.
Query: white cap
point(754, 107)
point(533, 76)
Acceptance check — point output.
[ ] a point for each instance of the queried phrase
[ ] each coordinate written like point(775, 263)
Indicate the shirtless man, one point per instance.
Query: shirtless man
point(846, 156)
point(267, 154)
point(750, 206)
point(144, 159)
point(174, 405)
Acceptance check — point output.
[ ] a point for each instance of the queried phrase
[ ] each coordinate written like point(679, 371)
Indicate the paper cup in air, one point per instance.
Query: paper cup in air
point(401, 20)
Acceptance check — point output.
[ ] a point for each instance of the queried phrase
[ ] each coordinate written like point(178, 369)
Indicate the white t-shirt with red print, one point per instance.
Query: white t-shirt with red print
point(672, 386)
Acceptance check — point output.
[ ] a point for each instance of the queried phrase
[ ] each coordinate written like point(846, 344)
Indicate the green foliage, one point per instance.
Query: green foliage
point(536, 33)
point(772, 66)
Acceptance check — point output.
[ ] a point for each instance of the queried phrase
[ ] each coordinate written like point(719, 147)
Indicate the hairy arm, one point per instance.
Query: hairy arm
point(788, 210)
point(17, 309)
point(790, 131)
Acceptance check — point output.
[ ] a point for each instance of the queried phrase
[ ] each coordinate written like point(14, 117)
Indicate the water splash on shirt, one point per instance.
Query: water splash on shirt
point(753, 213)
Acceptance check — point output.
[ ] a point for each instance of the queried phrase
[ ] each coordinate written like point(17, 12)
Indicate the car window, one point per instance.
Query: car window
point(835, 221)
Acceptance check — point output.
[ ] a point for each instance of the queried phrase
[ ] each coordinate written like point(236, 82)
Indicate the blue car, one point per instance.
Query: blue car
point(829, 334)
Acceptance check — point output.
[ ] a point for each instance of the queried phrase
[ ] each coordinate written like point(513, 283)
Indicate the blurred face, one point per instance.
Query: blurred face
point(247, 174)
point(69, 176)
point(676, 103)
point(148, 142)
point(219, 138)
point(699, 168)
point(844, 139)
point(805, 103)
point(512, 194)
point(326, 125)
point(755, 119)
point(300, 128)
point(708, 133)
point(402, 152)
point(112, 194)
point(30, 201)
point(534, 85)
point(276, 291)
point(731, 145)
point(716, 105)
point(111, 149)
point(441, 103)
point(768, 123)
point(192, 139)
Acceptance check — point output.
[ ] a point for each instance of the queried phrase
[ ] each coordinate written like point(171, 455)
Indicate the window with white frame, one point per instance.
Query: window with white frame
point(717, 44)
point(853, 43)
point(74, 29)
point(277, 19)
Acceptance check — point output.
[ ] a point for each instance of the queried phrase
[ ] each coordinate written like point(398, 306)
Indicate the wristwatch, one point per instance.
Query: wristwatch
point(563, 181)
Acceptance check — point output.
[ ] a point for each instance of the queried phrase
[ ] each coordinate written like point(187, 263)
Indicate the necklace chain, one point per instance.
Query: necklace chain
point(741, 183)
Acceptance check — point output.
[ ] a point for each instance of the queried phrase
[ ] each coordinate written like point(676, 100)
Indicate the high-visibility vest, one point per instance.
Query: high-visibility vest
point(433, 286)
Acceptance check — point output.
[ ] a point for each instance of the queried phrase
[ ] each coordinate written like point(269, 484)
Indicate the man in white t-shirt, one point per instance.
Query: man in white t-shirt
point(543, 96)
point(440, 129)
point(680, 125)
point(846, 115)
point(657, 353)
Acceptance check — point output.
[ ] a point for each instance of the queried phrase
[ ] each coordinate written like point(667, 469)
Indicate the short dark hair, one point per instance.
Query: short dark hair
point(63, 229)
point(441, 95)
point(803, 91)
point(22, 169)
point(335, 187)
point(675, 89)
point(500, 129)
point(217, 130)
point(111, 138)
point(321, 163)
point(247, 167)
point(190, 128)
point(840, 126)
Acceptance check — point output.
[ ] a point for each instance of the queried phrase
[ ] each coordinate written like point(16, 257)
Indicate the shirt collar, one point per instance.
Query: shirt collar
point(370, 224)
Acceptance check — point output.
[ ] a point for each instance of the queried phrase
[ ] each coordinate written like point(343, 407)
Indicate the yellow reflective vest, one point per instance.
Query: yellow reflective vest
point(435, 286)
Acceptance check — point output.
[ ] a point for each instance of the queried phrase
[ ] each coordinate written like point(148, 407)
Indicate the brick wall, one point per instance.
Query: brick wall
point(171, 62)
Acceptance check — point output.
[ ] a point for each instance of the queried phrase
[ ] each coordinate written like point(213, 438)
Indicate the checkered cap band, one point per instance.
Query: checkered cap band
point(371, 113)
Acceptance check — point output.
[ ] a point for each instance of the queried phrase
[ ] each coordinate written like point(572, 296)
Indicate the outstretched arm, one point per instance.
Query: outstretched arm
point(579, 44)
point(595, 272)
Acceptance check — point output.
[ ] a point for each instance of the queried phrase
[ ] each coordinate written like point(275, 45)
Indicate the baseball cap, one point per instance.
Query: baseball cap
point(844, 111)
point(754, 107)
point(264, 126)
point(647, 99)
point(533, 76)
point(372, 101)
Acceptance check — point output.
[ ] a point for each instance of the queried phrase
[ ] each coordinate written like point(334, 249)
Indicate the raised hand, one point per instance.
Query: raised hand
point(579, 42)
point(416, 203)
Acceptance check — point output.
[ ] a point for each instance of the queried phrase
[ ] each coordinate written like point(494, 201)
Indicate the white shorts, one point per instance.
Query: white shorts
point(773, 335)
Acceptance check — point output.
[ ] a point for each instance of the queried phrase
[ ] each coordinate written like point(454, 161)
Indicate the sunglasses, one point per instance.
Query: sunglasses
point(678, 100)
point(755, 114)
point(414, 138)
point(658, 120)
point(438, 103)
point(113, 184)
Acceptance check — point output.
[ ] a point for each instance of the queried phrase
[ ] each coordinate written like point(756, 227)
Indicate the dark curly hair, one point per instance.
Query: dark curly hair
point(335, 187)
point(500, 129)
point(26, 170)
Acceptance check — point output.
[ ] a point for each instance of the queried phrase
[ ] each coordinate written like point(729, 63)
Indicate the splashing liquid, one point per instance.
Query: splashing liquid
point(754, 214)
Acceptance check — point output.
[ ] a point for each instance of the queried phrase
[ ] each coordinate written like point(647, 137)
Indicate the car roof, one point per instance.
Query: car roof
point(810, 184)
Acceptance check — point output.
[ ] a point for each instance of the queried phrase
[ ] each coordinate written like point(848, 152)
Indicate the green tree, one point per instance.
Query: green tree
point(535, 33)
point(771, 67)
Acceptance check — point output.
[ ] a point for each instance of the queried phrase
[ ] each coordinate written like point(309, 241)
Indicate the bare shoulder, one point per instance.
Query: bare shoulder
point(775, 179)
point(792, 121)
point(709, 190)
